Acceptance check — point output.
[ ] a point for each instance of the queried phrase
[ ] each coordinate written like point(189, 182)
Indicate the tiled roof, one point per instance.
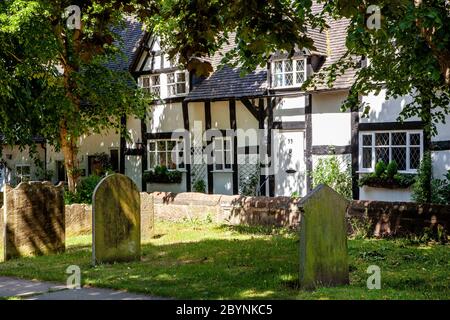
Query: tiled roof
point(226, 82)
point(131, 36)
point(335, 49)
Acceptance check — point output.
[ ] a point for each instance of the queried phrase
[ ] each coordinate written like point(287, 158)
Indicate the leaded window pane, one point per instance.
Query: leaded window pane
point(288, 79)
point(171, 78)
point(399, 138)
point(399, 156)
point(414, 139)
point(146, 82)
point(181, 77)
point(414, 157)
point(278, 80)
point(382, 154)
point(181, 88)
point(161, 145)
point(278, 67)
point(152, 146)
point(300, 65)
point(156, 91)
point(367, 140)
point(300, 77)
point(288, 66)
point(367, 158)
point(170, 163)
point(152, 160)
point(155, 81)
point(382, 139)
point(162, 158)
point(172, 90)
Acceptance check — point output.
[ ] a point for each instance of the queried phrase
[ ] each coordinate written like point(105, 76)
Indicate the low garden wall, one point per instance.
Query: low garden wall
point(79, 218)
point(399, 218)
point(381, 218)
point(278, 211)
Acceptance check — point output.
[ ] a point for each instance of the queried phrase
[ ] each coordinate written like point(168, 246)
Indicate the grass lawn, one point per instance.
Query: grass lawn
point(207, 261)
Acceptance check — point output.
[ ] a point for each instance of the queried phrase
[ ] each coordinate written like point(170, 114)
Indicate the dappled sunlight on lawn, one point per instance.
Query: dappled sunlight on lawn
point(207, 261)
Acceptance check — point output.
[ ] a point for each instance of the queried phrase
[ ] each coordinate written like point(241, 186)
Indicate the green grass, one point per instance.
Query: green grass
point(206, 261)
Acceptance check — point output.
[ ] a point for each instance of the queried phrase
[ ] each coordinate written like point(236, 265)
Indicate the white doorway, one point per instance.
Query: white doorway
point(289, 163)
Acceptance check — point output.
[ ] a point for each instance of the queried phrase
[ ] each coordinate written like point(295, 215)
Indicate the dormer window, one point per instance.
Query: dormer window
point(288, 73)
point(176, 83)
point(152, 84)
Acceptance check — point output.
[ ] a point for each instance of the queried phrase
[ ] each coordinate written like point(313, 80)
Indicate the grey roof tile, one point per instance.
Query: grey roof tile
point(131, 37)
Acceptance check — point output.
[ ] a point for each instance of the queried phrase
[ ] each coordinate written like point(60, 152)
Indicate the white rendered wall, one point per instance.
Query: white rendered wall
point(382, 110)
point(133, 169)
point(13, 156)
point(88, 145)
point(166, 118)
point(330, 126)
point(134, 131)
point(441, 163)
point(220, 115)
point(381, 194)
point(247, 126)
point(290, 109)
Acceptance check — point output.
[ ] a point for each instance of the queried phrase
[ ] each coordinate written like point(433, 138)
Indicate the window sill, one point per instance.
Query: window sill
point(222, 171)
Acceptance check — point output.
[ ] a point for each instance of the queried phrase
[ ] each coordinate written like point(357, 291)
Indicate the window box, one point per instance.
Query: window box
point(163, 175)
point(398, 181)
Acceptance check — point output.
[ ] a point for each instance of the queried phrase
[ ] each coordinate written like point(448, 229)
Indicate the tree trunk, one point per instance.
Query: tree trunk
point(69, 149)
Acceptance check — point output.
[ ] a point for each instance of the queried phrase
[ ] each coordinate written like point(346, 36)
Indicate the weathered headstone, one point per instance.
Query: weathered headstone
point(116, 220)
point(33, 220)
point(323, 239)
point(147, 216)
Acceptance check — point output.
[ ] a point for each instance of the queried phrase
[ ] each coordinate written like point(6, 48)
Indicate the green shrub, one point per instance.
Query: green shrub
point(440, 190)
point(199, 186)
point(85, 190)
point(250, 185)
point(380, 168)
point(334, 173)
point(421, 192)
point(391, 169)
point(387, 176)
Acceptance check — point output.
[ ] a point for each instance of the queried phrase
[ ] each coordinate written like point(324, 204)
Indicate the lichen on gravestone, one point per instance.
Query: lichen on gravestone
point(323, 239)
point(116, 220)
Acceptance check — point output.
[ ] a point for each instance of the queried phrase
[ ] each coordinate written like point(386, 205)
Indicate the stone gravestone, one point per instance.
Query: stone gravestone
point(323, 239)
point(147, 216)
point(116, 222)
point(33, 220)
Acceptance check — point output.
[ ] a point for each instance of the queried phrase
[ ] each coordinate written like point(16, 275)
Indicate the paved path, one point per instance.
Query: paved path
point(40, 290)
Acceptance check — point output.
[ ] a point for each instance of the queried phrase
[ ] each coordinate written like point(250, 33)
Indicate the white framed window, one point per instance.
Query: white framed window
point(152, 84)
point(403, 147)
point(222, 153)
point(288, 72)
point(23, 172)
point(166, 152)
point(176, 83)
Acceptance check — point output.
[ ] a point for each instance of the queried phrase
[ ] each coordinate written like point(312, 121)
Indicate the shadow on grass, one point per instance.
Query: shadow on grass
point(207, 269)
point(258, 230)
point(255, 268)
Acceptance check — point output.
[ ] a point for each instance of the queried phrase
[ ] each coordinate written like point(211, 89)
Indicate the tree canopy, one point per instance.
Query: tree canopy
point(55, 81)
point(409, 54)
